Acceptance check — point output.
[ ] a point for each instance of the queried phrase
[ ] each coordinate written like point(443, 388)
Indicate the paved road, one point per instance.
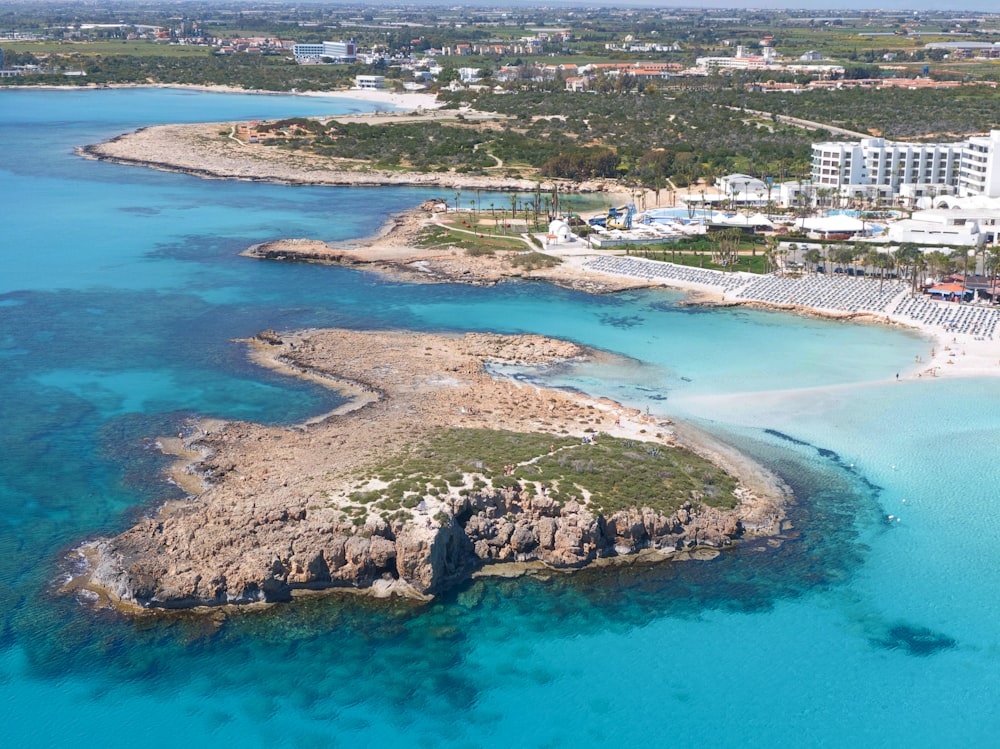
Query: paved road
point(808, 124)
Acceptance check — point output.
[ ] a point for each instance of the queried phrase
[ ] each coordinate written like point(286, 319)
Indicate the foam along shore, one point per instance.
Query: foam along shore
point(444, 471)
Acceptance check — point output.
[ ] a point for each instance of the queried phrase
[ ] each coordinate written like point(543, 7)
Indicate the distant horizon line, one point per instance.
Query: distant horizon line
point(987, 7)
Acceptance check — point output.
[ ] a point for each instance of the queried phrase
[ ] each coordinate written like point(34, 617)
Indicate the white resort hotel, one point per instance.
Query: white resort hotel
point(887, 170)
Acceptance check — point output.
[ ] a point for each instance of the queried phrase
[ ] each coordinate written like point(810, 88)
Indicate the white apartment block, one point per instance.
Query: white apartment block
point(339, 51)
point(875, 167)
point(980, 167)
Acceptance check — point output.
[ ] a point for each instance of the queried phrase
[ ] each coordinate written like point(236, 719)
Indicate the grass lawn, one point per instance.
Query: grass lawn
point(486, 244)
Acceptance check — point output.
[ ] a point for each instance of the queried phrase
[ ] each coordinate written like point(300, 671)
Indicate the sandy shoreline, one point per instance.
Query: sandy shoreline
point(949, 354)
point(391, 250)
point(410, 100)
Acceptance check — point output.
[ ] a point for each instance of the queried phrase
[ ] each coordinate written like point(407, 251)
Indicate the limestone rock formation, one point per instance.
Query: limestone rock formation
point(284, 509)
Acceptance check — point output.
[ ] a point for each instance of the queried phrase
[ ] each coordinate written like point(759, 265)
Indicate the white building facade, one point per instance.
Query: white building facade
point(980, 172)
point(337, 51)
point(877, 168)
point(370, 82)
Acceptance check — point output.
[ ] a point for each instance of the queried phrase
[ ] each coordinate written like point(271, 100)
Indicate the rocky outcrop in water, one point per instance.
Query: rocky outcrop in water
point(311, 507)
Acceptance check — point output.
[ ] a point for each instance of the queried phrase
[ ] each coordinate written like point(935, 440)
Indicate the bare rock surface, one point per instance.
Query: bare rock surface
point(280, 512)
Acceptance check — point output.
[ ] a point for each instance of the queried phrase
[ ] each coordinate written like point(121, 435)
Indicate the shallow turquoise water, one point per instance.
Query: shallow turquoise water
point(120, 294)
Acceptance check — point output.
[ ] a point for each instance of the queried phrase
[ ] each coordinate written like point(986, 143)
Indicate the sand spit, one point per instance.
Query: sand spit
point(285, 508)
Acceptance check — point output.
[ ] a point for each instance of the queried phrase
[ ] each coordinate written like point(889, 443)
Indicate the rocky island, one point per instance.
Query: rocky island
point(436, 468)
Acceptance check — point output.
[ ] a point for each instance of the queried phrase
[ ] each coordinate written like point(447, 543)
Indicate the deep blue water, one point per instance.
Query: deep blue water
point(120, 295)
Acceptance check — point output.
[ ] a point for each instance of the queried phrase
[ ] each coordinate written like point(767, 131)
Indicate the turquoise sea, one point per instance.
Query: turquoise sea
point(120, 294)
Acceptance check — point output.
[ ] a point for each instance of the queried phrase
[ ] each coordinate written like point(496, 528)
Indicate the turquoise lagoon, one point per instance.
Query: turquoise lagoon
point(120, 294)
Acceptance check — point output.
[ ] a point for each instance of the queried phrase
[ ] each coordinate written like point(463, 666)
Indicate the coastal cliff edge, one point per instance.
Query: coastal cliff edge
point(431, 472)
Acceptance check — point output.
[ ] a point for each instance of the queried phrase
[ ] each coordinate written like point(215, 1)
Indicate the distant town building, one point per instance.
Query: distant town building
point(990, 50)
point(4, 73)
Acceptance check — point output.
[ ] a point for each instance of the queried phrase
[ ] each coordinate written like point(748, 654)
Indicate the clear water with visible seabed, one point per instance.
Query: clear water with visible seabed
point(120, 295)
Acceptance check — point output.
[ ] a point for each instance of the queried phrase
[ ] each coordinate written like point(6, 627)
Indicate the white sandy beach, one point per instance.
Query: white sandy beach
point(406, 101)
point(949, 353)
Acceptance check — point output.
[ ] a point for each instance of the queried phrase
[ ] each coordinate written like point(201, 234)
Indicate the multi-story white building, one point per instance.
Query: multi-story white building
point(980, 169)
point(370, 82)
point(875, 167)
point(337, 51)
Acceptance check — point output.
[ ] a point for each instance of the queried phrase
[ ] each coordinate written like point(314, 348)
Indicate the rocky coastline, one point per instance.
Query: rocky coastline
point(289, 510)
point(393, 251)
point(205, 150)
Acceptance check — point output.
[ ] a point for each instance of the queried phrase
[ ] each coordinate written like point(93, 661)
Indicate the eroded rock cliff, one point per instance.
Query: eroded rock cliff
point(438, 470)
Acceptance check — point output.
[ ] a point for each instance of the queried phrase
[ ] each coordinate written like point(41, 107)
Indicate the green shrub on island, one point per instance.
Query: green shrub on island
point(614, 474)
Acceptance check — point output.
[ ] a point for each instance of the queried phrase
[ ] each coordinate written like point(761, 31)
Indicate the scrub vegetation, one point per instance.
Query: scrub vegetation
point(608, 473)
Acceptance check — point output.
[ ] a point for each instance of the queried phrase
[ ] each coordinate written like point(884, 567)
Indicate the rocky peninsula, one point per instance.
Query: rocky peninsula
point(435, 469)
point(213, 151)
point(398, 250)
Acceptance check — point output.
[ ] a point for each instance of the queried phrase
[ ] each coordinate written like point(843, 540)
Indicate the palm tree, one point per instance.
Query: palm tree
point(960, 258)
point(938, 263)
point(882, 261)
point(812, 256)
point(827, 251)
point(870, 261)
point(992, 269)
point(844, 255)
point(909, 256)
point(769, 258)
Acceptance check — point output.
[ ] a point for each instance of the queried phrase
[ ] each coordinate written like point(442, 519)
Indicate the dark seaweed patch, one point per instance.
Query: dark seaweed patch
point(786, 437)
point(919, 641)
point(623, 322)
